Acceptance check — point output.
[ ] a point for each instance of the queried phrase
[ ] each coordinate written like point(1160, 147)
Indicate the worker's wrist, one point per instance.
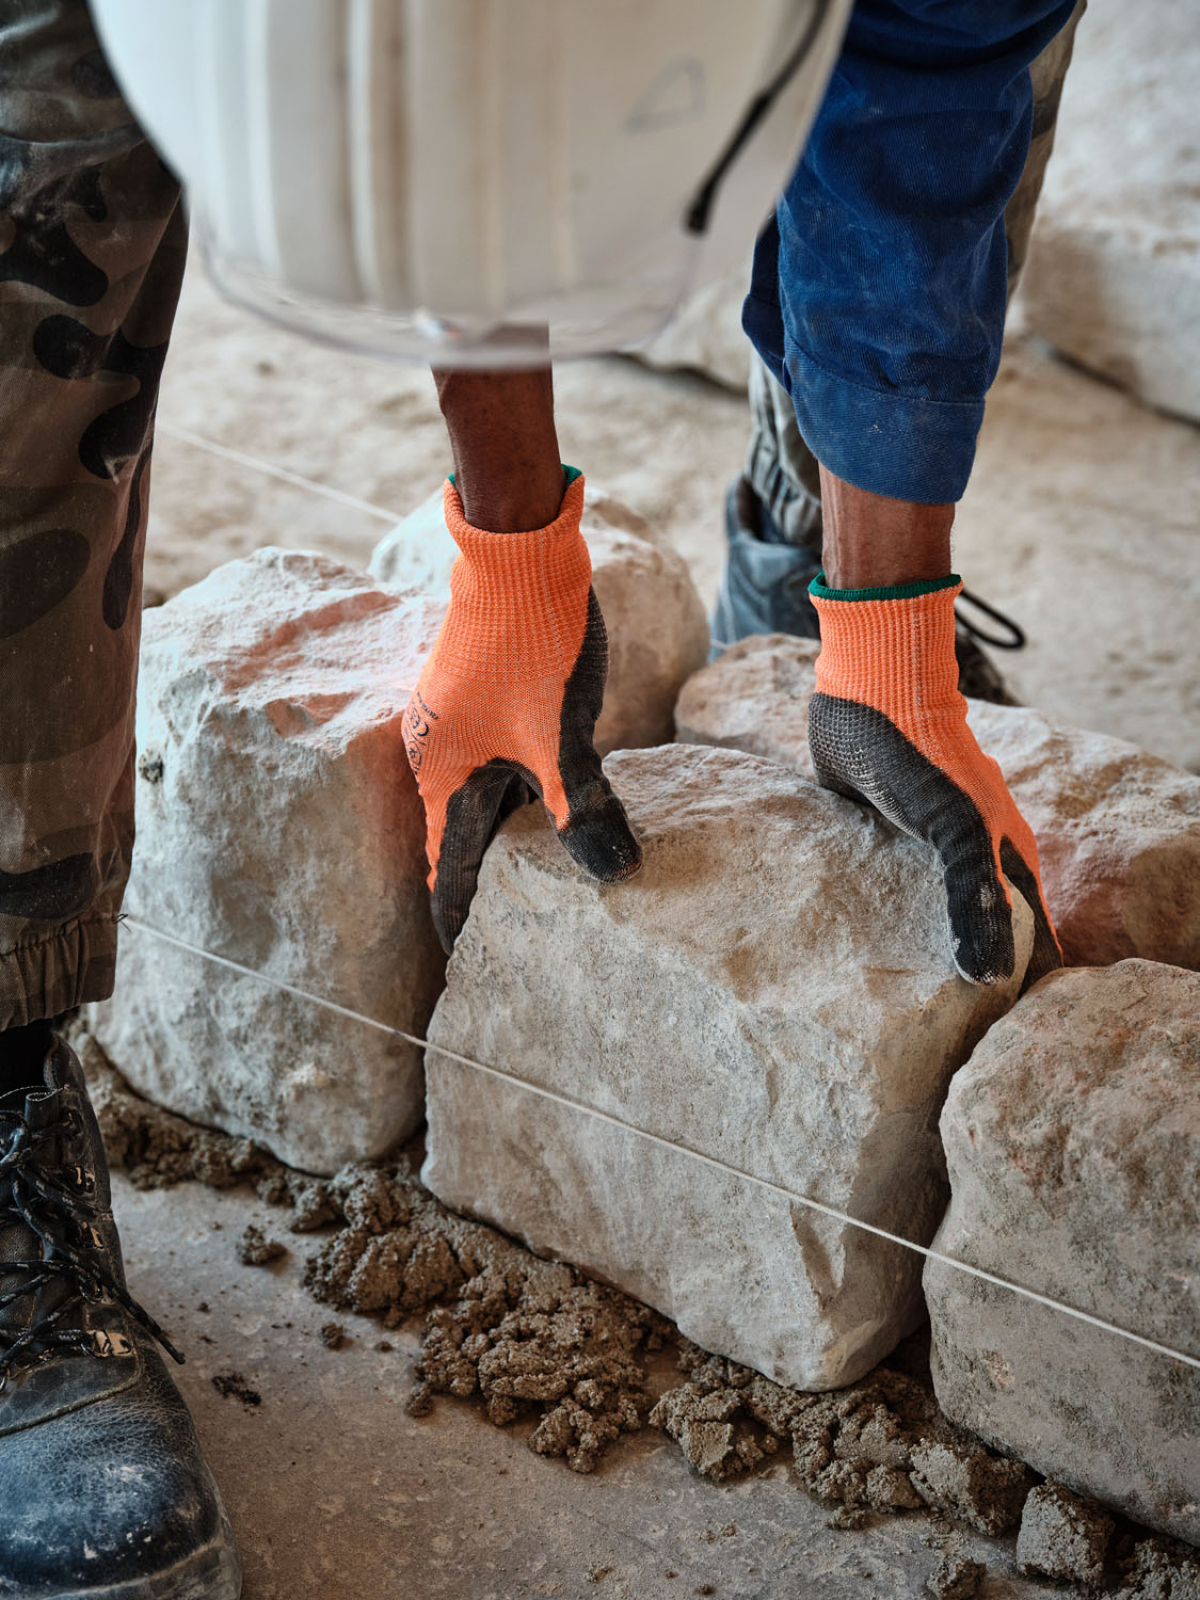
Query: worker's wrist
point(871, 541)
point(519, 506)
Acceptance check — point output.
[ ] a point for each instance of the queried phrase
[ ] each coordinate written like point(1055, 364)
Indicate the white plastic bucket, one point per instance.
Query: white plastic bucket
point(426, 177)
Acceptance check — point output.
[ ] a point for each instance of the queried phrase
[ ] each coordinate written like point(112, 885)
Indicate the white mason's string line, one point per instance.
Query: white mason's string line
point(667, 1144)
point(284, 474)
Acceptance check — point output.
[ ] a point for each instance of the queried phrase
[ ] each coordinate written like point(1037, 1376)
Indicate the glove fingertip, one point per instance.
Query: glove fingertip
point(981, 926)
point(601, 841)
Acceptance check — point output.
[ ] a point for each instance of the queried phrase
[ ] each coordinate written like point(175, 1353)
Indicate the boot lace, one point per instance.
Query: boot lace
point(33, 1192)
point(1015, 639)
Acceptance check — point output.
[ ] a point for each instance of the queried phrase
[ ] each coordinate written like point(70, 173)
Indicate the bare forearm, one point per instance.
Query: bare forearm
point(870, 541)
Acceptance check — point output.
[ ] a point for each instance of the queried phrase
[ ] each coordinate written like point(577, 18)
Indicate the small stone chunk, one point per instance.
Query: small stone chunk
point(848, 1517)
point(1062, 1535)
point(420, 1401)
point(956, 1578)
point(255, 1249)
point(332, 1335)
point(983, 1490)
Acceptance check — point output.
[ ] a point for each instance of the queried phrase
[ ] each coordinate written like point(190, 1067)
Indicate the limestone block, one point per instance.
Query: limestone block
point(1073, 1142)
point(1118, 830)
point(705, 334)
point(279, 826)
point(1113, 277)
point(1118, 835)
point(775, 990)
point(657, 628)
point(754, 697)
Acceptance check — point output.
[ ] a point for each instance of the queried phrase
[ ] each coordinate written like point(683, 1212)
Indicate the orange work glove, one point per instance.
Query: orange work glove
point(508, 702)
point(888, 725)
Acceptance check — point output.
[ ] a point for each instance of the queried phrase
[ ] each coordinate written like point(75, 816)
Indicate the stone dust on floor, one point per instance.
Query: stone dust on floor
point(401, 1472)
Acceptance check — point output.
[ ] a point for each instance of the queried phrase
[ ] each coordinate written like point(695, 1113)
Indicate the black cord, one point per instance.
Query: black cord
point(1016, 634)
point(696, 217)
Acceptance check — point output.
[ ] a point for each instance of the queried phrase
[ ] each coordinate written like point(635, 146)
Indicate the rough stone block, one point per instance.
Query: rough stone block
point(754, 697)
point(1118, 830)
point(657, 628)
point(775, 990)
point(1073, 1143)
point(1113, 277)
point(279, 826)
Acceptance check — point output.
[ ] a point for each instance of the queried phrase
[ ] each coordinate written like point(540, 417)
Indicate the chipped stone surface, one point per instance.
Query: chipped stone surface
point(742, 997)
point(1062, 1535)
point(1157, 1569)
point(1113, 277)
point(1118, 830)
point(279, 826)
point(1073, 1143)
point(657, 628)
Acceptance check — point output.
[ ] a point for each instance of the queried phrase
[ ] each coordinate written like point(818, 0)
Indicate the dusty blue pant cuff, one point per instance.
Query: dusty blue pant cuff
point(889, 443)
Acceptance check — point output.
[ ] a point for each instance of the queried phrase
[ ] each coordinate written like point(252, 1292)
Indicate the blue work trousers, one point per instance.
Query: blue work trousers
point(878, 292)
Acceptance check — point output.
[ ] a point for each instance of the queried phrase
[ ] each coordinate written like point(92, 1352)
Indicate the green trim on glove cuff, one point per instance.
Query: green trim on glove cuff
point(569, 475)
point(898, 591)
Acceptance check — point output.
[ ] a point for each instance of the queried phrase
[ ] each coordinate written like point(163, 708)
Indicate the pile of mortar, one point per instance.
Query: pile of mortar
point(535, 1339)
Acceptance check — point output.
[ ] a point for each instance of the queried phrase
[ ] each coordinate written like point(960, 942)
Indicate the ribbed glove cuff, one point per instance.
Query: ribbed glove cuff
point(895, 652)
point(516, 594)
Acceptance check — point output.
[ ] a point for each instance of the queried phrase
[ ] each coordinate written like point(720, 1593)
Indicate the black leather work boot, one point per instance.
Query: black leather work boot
point(104, 1493)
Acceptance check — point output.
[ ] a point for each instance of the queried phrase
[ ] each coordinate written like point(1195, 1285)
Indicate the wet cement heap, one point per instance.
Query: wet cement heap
point(532, 1338)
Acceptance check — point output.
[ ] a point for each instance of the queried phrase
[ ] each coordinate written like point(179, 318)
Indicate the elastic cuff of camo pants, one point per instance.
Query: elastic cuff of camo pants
point(794, 512)
point(70, 967)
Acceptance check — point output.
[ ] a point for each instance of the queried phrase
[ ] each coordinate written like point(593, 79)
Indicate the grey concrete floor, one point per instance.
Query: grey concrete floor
point(337, 1494)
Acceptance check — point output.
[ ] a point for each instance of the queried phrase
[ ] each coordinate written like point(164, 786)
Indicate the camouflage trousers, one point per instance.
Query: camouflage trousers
point(92, 249)
point(782, 470)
